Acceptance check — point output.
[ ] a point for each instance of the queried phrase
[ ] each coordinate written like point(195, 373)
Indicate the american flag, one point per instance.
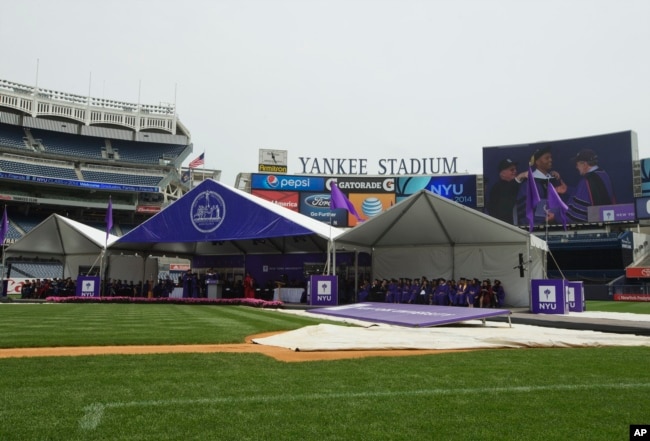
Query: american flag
point(198, 161)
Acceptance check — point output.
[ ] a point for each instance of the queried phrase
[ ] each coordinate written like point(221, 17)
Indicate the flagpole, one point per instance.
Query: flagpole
point(328, 268)
point(2, 279)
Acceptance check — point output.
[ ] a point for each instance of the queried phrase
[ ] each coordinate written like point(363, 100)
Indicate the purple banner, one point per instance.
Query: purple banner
point(88, 286)
point(549, 296)
point(575, 296)
point(323, 290)
point(409, 314)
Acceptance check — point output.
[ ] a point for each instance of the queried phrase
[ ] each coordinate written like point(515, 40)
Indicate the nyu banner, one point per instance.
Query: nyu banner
point(323, 291)
point(549, 297)
point(88, 286)
point(575, 296)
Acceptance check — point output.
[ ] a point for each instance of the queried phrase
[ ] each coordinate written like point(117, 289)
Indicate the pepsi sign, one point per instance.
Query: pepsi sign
point(287, 183)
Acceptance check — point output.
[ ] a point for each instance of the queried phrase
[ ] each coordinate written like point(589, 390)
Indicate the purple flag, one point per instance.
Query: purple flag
point(338, 200)
point(4, 228)
point(554, 202)
point(532, 199)
point(109, 218)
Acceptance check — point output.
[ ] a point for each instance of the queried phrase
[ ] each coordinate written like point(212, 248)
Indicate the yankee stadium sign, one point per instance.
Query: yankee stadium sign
point(385, 166)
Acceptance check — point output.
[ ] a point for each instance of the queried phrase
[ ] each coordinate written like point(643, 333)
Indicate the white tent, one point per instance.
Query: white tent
point(428, 235)
point(63, 239)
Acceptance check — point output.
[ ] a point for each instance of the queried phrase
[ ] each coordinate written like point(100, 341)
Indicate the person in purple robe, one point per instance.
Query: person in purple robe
point(414, 291)
point(392, 294)
point(441, 293)
point(187, 284)
point(544, 175)
point(499, 297)
point(364, 290)
point(406, 291)
point(461, 293)
point(594, 188)
point(473, 290)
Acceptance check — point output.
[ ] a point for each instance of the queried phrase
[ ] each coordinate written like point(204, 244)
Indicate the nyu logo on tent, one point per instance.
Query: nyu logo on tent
point(208, 211)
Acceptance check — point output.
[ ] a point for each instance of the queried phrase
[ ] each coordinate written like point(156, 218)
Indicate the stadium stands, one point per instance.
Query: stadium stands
point(30, 169)
point(78, 151)
point(121, 178)
point(37, 270)
point(13, 233)
point(65, 144)
point(150, 153)
point(25, 223)
point(12, 137)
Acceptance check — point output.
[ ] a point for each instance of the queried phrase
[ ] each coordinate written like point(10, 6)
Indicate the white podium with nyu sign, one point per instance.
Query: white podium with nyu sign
point(556, 296)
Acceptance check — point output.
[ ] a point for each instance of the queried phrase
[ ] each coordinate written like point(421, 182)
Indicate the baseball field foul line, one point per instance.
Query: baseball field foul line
point(94, 412)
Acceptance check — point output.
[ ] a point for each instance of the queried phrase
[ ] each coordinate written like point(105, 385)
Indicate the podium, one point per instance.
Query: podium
point(323, 290)
point(549, 296)
point(88, 286)
point(576, 296)
point(214, 288)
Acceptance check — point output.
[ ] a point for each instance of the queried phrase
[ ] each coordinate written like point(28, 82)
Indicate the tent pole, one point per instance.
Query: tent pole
point(356, 276)
point(2, 279)
point(326, 270)
point(101, 272)
point(529, 276)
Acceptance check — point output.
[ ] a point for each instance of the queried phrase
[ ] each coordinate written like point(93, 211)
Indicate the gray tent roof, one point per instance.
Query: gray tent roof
point(60, 236)
point(426, 219)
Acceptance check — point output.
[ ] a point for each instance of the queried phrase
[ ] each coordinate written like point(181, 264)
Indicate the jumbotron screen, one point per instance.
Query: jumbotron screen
point(592, 176)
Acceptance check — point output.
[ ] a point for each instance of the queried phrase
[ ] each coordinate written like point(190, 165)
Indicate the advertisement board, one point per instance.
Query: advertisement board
point(645, 177)
point(286, 199)
point(287, 182)
point(458, 188)
point(592, 175)
point(317, 206)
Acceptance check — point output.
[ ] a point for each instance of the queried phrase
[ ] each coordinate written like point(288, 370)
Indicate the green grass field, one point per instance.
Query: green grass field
point(518, 394)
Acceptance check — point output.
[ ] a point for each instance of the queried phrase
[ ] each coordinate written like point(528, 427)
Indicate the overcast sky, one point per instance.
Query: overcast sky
point(348, 79)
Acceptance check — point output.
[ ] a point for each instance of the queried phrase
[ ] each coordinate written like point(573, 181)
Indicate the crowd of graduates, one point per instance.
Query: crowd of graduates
point(467, 292)
point(42, 288)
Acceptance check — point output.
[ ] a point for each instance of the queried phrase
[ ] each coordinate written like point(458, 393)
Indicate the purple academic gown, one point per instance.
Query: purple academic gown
point(441, 295)
point(595, 188)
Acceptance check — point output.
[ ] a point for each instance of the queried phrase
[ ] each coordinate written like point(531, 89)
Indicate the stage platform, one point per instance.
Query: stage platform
point(418, 316)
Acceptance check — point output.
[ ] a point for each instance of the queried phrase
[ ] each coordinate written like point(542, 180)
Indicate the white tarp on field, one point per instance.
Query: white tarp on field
point(467, 335)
